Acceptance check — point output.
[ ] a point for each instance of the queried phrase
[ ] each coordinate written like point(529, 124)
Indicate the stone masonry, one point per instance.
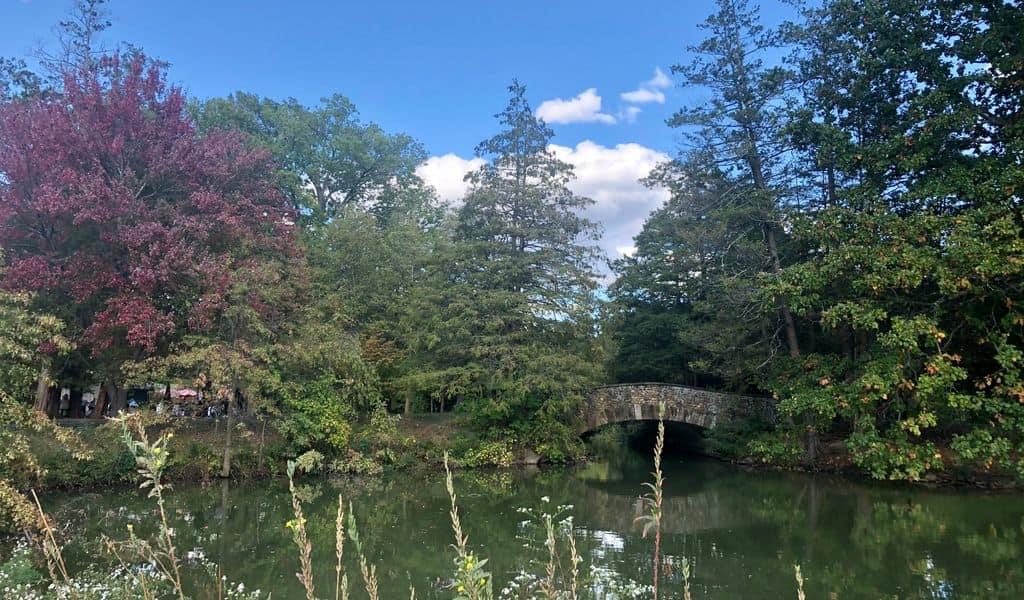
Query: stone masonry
point(696, 406)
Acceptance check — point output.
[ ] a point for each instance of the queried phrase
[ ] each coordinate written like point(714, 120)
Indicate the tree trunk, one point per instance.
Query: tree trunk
point(793, 343)
point(111, 399)
point(773, 250)
point(263, 431)
point(225, 467)
point(42, 403)
point(408, 404)
point(102, 399)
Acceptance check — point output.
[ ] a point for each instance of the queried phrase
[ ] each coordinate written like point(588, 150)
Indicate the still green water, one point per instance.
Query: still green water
point(741, 531)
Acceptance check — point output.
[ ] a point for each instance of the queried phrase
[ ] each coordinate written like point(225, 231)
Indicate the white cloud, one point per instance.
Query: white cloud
point(608, 175)
point(446, 174)
point(643, 96)
point(629, 113)
point(584, 108)
point(650, 90)
point(660, 79)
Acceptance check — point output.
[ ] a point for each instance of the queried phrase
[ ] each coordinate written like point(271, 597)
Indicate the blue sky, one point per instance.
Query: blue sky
point(435, 70)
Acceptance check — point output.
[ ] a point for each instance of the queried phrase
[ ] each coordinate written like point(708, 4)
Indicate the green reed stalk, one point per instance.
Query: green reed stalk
point(653, 502)
point(298, 527)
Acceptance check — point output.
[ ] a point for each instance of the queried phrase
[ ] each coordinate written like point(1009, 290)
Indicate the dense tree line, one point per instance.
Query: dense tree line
point(845, 231)
point(288, 256)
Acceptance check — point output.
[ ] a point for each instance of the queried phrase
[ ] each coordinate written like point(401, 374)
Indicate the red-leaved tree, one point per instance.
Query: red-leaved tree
point(124, 221)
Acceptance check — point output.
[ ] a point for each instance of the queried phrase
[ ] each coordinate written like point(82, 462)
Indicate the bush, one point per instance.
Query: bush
point(108, 463)
point(310, 462)
point(318, 418)
point(490, 454)
point(18, 573)
point(356, 463)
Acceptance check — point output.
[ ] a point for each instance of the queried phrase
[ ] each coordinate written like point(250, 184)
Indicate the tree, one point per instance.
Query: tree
point(233, 346)
point(79, 51)
point(913, 274)
point(739, 128)
point(366, 280)
point(23, 333)
point(77, 35)
point(515, 335)
point(684, 304)
point(128, 226)
point(740, 132)
point(330, 161)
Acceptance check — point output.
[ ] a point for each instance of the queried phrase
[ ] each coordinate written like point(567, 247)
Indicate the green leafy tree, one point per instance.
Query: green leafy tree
point(23, 336)
point(329, 160)
point(369, 279)
point(514, 337)
point(684, 306)
point(739, 128)
point(322, 385)
point(914, 275)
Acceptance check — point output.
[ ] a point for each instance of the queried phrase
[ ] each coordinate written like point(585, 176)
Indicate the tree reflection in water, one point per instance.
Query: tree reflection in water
point(741, 531)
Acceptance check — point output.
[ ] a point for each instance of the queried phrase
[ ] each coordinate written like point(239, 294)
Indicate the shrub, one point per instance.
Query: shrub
point(318, 418)
point(309, 462)
point(490, 454)
point(356, 463)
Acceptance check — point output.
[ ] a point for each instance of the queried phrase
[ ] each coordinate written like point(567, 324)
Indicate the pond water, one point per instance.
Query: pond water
point(741, 531)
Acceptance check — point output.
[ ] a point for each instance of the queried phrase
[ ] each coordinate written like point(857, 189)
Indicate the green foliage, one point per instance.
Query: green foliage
point(22, 333)
point(738, 439)
point(107, 463)
point(852, 246)
point(318, 416)
point(913, 273)
point(310, 462)
point(512, 335)
point(19, 571)
point(330, 161)
point(488, 454)
point(779, 448)
point(356, 463)
point(684, 305)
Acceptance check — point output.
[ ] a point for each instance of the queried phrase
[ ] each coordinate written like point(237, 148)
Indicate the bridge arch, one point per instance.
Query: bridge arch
point(683, 404)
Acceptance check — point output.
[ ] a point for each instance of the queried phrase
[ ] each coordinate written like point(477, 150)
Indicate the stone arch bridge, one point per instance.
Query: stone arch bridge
point(683, 404)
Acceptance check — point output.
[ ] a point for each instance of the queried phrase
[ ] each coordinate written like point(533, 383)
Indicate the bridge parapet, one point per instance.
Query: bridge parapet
point(696, 406)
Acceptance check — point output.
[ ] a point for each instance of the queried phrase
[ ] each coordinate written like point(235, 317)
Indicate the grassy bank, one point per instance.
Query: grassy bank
point(259, 449)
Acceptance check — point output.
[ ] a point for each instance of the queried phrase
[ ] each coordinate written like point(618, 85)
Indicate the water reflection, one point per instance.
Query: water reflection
point(741, 531)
